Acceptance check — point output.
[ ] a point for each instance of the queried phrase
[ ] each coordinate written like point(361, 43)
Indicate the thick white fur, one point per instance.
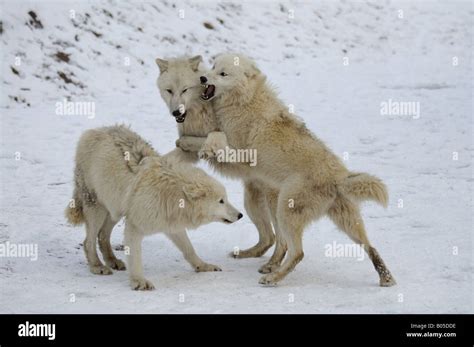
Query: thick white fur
point(119, 175)
point(309, 179)
point(198, 133)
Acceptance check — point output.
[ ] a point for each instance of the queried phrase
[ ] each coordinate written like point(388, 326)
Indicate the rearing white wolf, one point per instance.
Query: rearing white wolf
point(292, 160)
point(180, 88)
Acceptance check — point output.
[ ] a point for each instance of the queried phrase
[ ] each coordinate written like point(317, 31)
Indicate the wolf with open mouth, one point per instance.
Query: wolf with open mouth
point(179, 84)
point(310, 180)
point(209, 89)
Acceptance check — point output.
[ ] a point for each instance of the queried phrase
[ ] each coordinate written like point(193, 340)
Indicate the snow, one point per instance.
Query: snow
point(427, 243)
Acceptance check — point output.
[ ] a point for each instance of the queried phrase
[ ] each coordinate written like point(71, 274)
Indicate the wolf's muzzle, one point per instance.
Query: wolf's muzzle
point(178, 116)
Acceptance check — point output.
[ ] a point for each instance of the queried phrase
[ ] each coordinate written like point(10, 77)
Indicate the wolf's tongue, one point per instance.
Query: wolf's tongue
point(209, 90)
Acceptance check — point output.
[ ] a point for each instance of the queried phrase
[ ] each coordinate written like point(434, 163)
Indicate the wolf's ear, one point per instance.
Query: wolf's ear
point(162, 64)
point(194, 62)
point(252, 71)
point(194, 191)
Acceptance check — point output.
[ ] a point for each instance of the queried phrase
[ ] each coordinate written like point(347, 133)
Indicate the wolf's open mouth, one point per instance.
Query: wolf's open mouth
point(181, 118)
point(208, 92)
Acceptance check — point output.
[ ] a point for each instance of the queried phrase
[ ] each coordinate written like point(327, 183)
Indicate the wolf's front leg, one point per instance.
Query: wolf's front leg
point(215, 141)
point(133, 240)
point(190, 143)
point(182, 156)
point(181, 240)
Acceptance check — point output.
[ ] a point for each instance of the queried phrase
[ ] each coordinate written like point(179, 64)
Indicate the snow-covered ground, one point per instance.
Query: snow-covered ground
point(335, 61)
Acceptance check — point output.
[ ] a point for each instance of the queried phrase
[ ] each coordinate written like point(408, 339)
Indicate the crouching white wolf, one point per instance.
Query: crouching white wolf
point(311, 181)
point(118, 174)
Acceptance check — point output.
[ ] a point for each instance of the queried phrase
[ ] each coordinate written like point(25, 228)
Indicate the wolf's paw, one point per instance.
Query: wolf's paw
point(181, 144)
point(268, 280)
point(215, 142)
point(388, 281)
point(244, 254)
point(141, 284)
point(253, 252)
point(268, 268)
point(116, 264)
point(204, 267)
point(207, 153)
point(101, 270)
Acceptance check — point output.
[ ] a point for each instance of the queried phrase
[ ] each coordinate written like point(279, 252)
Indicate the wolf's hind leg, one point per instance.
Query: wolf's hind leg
point(277, 257)
point(293, 237)
point(308, 204)
point(258, 212)
point(105, 246)
point(95, 216)
point(346, 215)
point(280, 245)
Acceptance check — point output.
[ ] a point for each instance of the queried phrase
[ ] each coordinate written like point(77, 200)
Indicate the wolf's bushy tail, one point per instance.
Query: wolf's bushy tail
point(74, 211)
point(362, 186)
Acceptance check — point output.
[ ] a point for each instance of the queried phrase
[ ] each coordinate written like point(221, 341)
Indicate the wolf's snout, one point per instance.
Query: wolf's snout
point(180, 117)
point(232, 215)
point(203, 79)
point(236, 217)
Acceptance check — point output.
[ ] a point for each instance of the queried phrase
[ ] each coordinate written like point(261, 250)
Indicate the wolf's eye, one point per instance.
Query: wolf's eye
point(169, 91)
point(223, 74)
point(221, 201)
point(184, 91)
point(213, 67)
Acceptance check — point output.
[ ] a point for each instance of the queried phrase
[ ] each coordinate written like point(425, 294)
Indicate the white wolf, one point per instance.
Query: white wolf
point(118, 175)
point(311, 181)
point(180, 88)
